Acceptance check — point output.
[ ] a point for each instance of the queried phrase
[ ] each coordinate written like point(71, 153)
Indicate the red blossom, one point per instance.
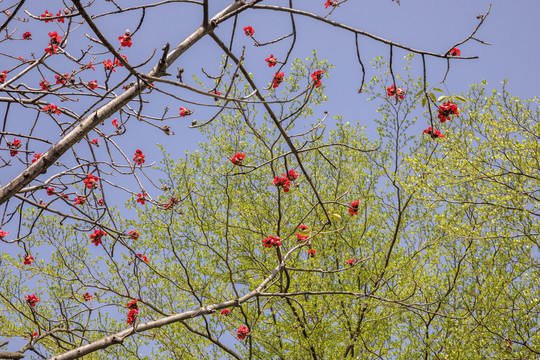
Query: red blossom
point(125, 40)
point(139, 157)
point(46, 16)
point(92, 84)
point(225, 312)
point(3, 233)
point(141, 198)
point(35, 334)
point(32, 300)
point(60, 19)
point(272, 61)
point(350, 261)
point(354, 207)
point(399, 93)
point(446, 110)
point(79, 200)
point(27, 35)
point(133, 305)
point(303, 227)
point(271, 241)
point(96, 236)
point(134, 235)
point(216, 92)
point(301, 237)
point(237, 158)
point(87, 297)
point(242, 332)
point(44, 85)
point(61, 79)
point(282, 181)
point(36, 156)
point(13, 146)
point(278, 79)
point(55, 38)
point(455, 52)
point(433, 133)
point(316, 77)
point(65, 196)
point(28, 260)
point(115, 123)
point(3, 76)
point(89, 66)
point(109, 65)
point(101, 202)
point(248, 30)
point(185, 112)
point(142, 257)
point(118, 63)
point(132, 316)
point(51, 49)
point(95, 142)
point(311, 252)
point(331, 3)
point(291, 175)
point(50, 191)
point(51, 108)
point(91, 181)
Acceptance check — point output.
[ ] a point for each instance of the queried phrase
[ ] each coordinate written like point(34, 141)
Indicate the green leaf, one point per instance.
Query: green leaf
point(460, 98)
point(432, 97)
point(441, 98)
point(437, 89)
point(424, 99)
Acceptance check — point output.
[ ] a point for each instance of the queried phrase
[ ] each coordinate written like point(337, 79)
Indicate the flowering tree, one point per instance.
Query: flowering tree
point(272, 241)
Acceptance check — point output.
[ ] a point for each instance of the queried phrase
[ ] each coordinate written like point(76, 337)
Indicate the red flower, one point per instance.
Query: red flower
point(225, 311)
point(87, 297)
point(32, 300)
point(272, 61)
point(455, 52)
point(65, 196)
point(278, 79)
point(95, 142)
point(50, 191)
point(249, 31)
point(132, 316)
point(36, 156)
point(237, 158)
point(433, 133)
point(79, 200)
point(311, 252)
point(303, 227)
point(92, 84)
point(101, 202)
point(354, 207)
point(301, 237)
point(216, 92)
point(51, 108)
point(272, 241)
point(109, 65)
point(242, 332)
point(133, 305)
point(184, 112)
point(3, 76)
point(61, 79)
point(35, 334)
point(51, 49)
point(291, 175)
point(60, 19)
point(141, 198)
point(46, 16)
point(55, 38)
point(27, 35)
point(91, 182)
point(316, 77)
point(118, 63)
point(446, 110)
point(13, 146)
point(115, 123)
point(125, 40)
point(133, 234)
point(96, 236)
point(44, 85)
point(282, 181)
point(142, 257)
point(28, 260)
point(89, 66)
point(331, 3)
point(139, 157)
point(399, 93)
point(349, 262)
point(3, 233)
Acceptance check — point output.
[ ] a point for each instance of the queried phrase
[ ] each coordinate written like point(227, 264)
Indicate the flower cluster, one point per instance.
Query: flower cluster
point(51, 108)
point(285, 180)
point(125, 40)
point(96, 236)
point(391, 91)
point(13, 146)
point(27, 35)
point(303, 227)
point(46, 16)
point(171, 203)
point(44, 85)
point(316, 77)
point(92, 84)
point(271, 60)
point(87, 297)
point(91, 182)
point(278, 79)
point(51, 49)
point(50, 191)
point(3, 233)
point(79, 200)
point(141, 198)
point(28, 260)
point(32, 300)
point(36, 157)
point(272, 241)
point(301, 237)
point(185, 112)
point(134, 235)
point(350, 261)
point(225, 312)
point(109, 65)
point(248, 30)
point(237, 158)
point(133, 311)
point(3, 76)
point(139, 157)
point(311, 252)
point(455, 52)
point(354, 207)
point(55, 38)
point(446, 110)
point(242, 332)
point(142, 257)
point(434, 133)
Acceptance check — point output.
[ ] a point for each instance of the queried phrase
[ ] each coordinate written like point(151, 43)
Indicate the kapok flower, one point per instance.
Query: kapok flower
point(61, 79)
point(446, 110)
point(433, 133)
point(79, 200)
point(142, 257)
point(311, 252)
point(51, 108)
point(96, 236)
point(248, 30)
point(350, 261)
point(141, 198)
point(87, 297)
point(225, 311)
point(89, 66)
point(36, 157)
point(184, 112)
point(13, 146)
point(3, 76)
point(115, 123)
point(27, 35)
point(55, 38)
point(108, 65)
point(271, 241)
point(392, 92)
point(46, 16)
point(272, 61)
point(3, 233)
point(50, 191)
point(291, 175)
point(34, 334)
point(316, 77)
point(133, 311)
point(51, 49)
point(331, 3)
point(28, 260)
point(237, 158)
point(125, 40)
point(65, 196)
point(455, 52)
point(242, 332)
point(92, 84)
point(282, 181)
point(139, 157)
point(91, 181)
point(133, 305)
point(278, 79)
point(354, 207)
point(303, 227)
point(44, 85)
point(101, 202)
point(60, 19)
point(32, 300)
point(301, 237)
point(134, 235)
point(95, 142)
point(118, 63)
